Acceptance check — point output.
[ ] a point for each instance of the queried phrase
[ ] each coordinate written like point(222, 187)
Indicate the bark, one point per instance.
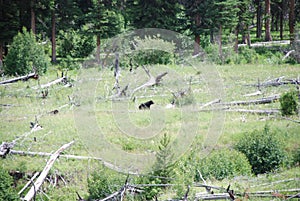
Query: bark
point(196, 45)
point(1, 53)
point(258, 19)
point(98, 49)
point(53, 37)
point(292, 21)
point(197, 36)
point(32, 16)
point(281, 20)
point(236, 44)
point(38, 183)
point(268, 36)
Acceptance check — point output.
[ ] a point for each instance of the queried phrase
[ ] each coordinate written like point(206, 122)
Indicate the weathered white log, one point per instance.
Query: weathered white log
point(210, 103)
point(270, 111)
point(21, 78)
point(37, 184)
point(57, 81)
point(253, 94)
point(288, 54)
point(28, 183)
point(45, 154)
point(258, 101)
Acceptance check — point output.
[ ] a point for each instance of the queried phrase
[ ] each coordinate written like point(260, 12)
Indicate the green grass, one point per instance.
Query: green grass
point(127, 128)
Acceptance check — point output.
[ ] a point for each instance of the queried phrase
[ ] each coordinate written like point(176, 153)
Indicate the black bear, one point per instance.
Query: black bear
point(146, 105)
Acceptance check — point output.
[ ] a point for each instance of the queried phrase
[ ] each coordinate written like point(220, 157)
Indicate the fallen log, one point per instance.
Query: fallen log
point(257, 101)
point(267, 112)
point(37, 184)
point(57, 81)
point(277, 82)
point(45, 154)
point(28, 183)
point(21, 78)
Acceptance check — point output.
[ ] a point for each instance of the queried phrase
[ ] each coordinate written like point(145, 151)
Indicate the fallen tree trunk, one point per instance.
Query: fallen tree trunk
point(257, 101)
point(28, 183)
point(277, 82)
point(268, 112)
point(21, 78)
point(57, 81)
point(45, 154)
point(37, 184)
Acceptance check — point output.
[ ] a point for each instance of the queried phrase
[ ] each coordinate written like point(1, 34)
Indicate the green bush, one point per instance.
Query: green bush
point(75, 44)
point(296, 157)
point(263, 149)
point(153, 50)
point(104, 182)
point(7, 192)
point(25, 55)
point(288, 103)
point(222, 164)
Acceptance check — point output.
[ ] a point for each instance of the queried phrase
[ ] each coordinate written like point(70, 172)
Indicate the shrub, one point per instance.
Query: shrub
point(25, 55)
point(153, 50)
point(263, 149)
point(296, 157)
point(7, 192)
point(75, 44)
point(222, 164)
point(104, 182)
point(288, 103)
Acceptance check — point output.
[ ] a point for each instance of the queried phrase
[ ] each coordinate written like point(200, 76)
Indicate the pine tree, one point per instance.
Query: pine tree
point(154, 14)
point(25, 55)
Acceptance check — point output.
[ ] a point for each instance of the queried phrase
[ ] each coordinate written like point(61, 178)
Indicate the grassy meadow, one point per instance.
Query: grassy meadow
point(90, 114)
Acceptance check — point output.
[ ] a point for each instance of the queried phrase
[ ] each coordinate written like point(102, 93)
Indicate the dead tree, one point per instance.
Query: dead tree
point(117, 74)
point(152, 80)
point(38, 183)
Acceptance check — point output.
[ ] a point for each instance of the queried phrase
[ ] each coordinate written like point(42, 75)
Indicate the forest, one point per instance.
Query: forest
point(76, 28)
point(149, 100)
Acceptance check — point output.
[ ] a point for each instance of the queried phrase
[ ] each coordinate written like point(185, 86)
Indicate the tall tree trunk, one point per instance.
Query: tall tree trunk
point(98, 49)
point(32, 16)
point(258, 19)
point(281, 19)
point(53, 39)
point(220, 43)
point(196, 44)
point(268, 36)
point(292, 21)
point(236, 44)
point(197, 36)
point(1, 52)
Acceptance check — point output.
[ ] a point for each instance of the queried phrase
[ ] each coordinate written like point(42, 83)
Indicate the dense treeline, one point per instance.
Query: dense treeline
point(70, 24)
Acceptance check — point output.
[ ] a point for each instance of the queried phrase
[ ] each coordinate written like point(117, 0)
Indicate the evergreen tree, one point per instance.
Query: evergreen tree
point(25, 55)
point(197, 22)
point(9, 23)
point(105, 21)
point(154, 14)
